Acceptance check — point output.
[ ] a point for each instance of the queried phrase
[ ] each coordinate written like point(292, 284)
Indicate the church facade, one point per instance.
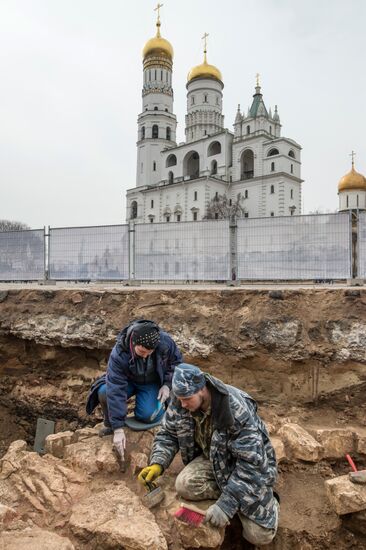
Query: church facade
point(253, 166)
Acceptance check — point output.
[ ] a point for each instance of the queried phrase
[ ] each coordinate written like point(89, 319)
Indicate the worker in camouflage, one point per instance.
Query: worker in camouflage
point(226, 450)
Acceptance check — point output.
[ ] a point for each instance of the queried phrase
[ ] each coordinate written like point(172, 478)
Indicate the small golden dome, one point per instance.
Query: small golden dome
point(158, 46)
point(352, 180)
point(205, 70)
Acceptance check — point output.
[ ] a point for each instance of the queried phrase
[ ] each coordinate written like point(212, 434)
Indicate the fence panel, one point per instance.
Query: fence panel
point(184, 251)
point(89, 253)
point(361, 249)
point(22, 255)
point(298, 247)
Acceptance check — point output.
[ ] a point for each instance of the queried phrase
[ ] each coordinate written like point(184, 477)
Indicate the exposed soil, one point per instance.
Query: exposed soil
point(302, 356)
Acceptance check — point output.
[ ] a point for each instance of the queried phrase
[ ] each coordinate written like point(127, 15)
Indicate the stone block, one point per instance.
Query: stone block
point(55, 443)
point(346, 497)
point(279, 448)
point(336, 443)
point(299, 444)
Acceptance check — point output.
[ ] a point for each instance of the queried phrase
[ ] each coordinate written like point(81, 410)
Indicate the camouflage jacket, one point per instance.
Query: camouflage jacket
point(243, 459)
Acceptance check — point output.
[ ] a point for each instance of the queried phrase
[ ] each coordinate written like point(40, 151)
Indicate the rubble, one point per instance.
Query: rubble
point(346, 497)
point(299, 444)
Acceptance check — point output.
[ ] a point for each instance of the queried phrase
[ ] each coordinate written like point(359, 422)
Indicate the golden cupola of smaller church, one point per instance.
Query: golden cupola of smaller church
point(352, 181)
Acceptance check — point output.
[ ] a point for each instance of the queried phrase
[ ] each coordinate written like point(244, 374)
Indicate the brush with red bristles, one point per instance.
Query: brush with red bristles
point(191, 514)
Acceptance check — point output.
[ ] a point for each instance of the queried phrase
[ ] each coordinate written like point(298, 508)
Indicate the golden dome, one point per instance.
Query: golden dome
point(352, 180)
point(158, 46)
point(205, 70)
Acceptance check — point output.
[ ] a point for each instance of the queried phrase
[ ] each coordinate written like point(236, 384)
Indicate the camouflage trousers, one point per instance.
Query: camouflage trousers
point(197, 482)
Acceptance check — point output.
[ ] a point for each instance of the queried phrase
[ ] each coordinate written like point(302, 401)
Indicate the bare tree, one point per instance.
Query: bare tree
point(222, 208)
point(7, 225)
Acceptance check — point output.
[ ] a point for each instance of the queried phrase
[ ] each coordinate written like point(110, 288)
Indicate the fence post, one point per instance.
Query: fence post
point(132, 252)
point(354, 281)
point(233, 248)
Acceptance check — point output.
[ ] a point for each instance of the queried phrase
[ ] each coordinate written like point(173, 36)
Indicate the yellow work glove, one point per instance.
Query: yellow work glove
point(148, 474)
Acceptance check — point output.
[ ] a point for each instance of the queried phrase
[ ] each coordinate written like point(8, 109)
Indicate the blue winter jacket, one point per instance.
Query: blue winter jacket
point(122, 369)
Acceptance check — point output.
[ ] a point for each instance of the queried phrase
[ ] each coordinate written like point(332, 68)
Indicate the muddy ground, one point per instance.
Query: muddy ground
point(300, 353)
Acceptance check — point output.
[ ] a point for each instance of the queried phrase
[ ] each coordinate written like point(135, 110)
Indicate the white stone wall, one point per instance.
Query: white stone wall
point(356, 199)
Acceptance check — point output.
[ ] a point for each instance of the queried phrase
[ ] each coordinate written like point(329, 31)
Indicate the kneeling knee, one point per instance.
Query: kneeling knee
point(181, 487)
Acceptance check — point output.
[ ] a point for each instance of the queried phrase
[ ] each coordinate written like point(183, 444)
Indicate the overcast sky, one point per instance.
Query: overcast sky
point(70, 92)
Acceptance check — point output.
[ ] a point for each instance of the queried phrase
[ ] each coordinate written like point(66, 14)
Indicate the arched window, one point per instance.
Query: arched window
point(214, 148)
point(270, 130)
point(155, 131)
point(291, 153)
point(272, 189)
point(247, 165)
point(168, 133)
point(246, 194)
point(171, 177)
point(248, 130)
point(273, 152)
point(133, 210)
point(272, 166)
point(154, 166)
point(292, 168)
point(143, 132)
point(205, 98)
point(171, 161)
point(155, 108)
point(191, 165)
point(213, 167)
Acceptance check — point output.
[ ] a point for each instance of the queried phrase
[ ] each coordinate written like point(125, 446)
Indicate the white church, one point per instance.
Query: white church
point(177, 182)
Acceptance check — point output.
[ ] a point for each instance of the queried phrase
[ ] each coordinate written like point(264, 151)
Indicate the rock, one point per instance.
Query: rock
point(346, 497)
point(115, 518)
point(361, 445)
point(138, 461)
point(55, 443)
point(279, 448)
point(34, 539)
point(45, 483)
point(92, 455)
point(7, 514)
point(336, 443)
point(299, 444)
point(3, 295)
point(76, 298)
point(276, 294)
point(202, 536)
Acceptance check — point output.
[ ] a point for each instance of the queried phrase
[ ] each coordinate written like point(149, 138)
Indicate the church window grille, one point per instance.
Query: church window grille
point(248, 130)
point(171, 161)
point(291, 194)
point(292, 168)
point(155, 108)
point(272, 166)
point(154, 166)
point(168, 218)
point(246, 214)
point(272, 189)
point(272, 214)
point(195, 195)
point(291, 153)
point(155, 131)
point(273, 152)
point(246, 194)
point(178, 217)
point(168, 133)
point(194, 216)
point(171, 177)
point(143, 132)
point(347, 202)
point(152, 203)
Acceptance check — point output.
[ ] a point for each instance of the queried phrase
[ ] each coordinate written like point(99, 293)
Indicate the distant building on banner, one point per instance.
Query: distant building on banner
point(181, 182)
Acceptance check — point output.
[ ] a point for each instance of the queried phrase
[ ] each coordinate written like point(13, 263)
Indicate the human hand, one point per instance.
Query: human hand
point(119, 442)
point(163, 394)
point(150, 473)
point(216, 516)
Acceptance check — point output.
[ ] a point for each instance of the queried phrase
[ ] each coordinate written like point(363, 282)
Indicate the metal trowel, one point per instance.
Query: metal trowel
point(153, 496)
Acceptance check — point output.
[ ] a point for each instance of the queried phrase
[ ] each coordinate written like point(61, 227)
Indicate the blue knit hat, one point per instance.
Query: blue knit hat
point(187, 380)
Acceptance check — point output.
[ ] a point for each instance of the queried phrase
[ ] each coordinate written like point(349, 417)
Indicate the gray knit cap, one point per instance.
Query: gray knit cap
point(187, 380)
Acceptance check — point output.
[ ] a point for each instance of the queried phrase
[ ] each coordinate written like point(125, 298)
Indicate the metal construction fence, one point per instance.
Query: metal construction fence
point(301, 247)
point(310, 247)
point(22, 255)
point(197, 251)
point(361, 242)
point(89, 253)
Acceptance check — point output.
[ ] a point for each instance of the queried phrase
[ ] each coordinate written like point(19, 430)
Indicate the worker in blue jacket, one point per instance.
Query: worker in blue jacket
point(141, 364)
